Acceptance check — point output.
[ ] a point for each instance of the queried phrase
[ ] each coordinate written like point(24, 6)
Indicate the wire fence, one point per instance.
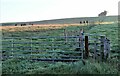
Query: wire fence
point(56, 48)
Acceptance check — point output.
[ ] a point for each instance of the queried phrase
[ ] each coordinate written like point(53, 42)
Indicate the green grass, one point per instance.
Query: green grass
point(16, 66)
point(27, 67)
point(68, 20)
point(111, 32)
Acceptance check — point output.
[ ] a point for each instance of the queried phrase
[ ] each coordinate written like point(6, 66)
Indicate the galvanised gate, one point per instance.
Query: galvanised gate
point(56, 48)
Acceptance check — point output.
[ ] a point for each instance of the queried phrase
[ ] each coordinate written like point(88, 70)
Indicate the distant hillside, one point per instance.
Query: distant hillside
point(68, 20)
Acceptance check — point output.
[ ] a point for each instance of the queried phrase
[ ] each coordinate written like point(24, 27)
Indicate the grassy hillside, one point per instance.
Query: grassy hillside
point(68, 20)
point(25, 66)
point(77, 20)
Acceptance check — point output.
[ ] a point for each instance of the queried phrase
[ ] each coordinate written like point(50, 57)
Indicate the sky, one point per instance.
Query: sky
point(37, 10)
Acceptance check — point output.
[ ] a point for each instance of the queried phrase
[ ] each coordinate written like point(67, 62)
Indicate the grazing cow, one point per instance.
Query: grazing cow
point(23, 24)
point(80, 22)
point(31, 24)
point(15, 24)
point(83, 21)
point(86, 21)
point(103, 13)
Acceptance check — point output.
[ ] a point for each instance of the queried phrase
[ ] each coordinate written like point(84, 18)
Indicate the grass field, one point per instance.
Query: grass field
point(17, 66)
point(67, 20)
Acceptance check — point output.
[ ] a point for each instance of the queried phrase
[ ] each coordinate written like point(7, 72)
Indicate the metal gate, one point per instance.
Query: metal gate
point(55, 48)
point(42, 48)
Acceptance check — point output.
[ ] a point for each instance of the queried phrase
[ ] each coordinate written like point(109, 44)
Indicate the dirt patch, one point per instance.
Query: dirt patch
point(35, 27)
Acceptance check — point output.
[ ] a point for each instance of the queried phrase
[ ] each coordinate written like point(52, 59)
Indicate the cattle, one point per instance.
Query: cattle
point(80, 22)
point(15, 24)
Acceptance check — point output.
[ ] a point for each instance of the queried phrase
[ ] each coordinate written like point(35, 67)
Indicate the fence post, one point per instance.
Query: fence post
point(31, 44)
point(95, 49)
point(106, 48)
point(52, 44)
point(12, 47)
point(102, 47)
point(65, 34)
point(86, 47)
point(81, 41)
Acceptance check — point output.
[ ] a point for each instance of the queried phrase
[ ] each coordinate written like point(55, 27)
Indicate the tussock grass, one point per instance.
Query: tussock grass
point(17, 66)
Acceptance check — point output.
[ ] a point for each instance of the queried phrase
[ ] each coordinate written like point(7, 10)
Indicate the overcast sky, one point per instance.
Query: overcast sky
point(36, 10)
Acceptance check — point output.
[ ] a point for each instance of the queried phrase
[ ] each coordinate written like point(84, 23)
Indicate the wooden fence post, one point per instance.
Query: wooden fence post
point(86, 47)
point(102, 47)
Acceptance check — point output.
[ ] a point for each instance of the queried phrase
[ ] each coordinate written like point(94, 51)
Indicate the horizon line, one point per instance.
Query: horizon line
point(52, 19)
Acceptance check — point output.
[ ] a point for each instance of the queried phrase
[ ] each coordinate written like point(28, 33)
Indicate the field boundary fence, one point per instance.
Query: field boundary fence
point(56, 48)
